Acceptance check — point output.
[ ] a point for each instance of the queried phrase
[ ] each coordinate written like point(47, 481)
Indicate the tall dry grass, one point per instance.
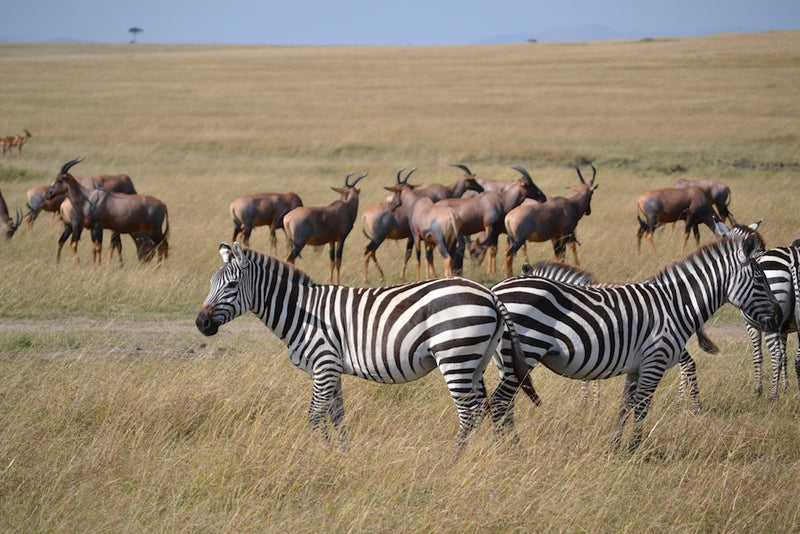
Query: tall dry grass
point(116, 415)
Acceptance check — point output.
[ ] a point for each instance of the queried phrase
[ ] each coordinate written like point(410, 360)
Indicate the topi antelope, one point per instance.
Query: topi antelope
point(554, 220)
point(660, 206)
point(486, 211)
point(428, 222)
point(718, 194)
point(381, 222)
point(124, 214)
point(322, 225)
point(7, 226)
point(38, 201)
point(261, 209)
point(487, 184)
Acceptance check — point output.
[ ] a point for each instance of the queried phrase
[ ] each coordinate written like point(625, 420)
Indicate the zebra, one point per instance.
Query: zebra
point(638, 329)
point(389, 335)
point(780, 266)
point(577, 276)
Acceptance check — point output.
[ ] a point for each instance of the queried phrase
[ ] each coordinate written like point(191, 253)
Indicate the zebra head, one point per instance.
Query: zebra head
point(227, 298)
point(748, 288)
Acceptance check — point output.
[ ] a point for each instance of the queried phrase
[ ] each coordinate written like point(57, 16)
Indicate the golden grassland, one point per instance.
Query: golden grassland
point(117, 415)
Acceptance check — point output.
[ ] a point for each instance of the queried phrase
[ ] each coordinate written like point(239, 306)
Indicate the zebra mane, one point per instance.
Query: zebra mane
point(559, 271)
point(286, 270)
point(709, 253)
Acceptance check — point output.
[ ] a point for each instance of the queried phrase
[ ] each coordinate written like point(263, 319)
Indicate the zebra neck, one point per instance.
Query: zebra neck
point(283, 296)
point(693, 292)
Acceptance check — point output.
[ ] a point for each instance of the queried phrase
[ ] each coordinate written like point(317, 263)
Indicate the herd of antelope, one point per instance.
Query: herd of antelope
point(97, 203)
point(464, 218)
point(447, 218)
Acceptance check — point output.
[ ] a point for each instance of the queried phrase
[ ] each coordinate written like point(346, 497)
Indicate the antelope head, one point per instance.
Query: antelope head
point(526, 182)
point(395, 200)
point(60, 184)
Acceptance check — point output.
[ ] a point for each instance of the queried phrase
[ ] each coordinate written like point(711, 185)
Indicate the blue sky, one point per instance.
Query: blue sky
point(364, 22)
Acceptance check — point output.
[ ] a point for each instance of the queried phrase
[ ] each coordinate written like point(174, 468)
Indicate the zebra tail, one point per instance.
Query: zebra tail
point(521, 369)
point(705, 342)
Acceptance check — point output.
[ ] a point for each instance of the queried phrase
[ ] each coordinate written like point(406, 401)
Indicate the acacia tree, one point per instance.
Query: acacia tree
point(133, 31)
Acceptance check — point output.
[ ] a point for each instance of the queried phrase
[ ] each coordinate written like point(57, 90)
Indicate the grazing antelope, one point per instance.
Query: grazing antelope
point(381, 222)
point(73, 225)
point(554, 220)
point(38, 201)
point(718, 194)
point(124, 214)
point(8, 226)
point(660, 206)
point(486, 211)
point(261, 209)
point(329, 224)
point(429, 223)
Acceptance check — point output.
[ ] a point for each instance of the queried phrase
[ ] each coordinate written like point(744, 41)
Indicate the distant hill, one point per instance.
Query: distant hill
point(597, 32)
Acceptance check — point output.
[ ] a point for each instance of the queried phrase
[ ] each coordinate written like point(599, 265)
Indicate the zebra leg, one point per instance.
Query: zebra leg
point(758, 357)
point(797, 366)
point(776, 358)
point(784, 359)
point(688, 378)
point(501, 406)
point(625, 407)
point(325, 386)
point(585, 393)
point(336, 413)
point(471, 406)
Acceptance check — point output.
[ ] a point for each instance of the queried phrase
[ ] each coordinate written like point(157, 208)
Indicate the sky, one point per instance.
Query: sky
point(377, 22)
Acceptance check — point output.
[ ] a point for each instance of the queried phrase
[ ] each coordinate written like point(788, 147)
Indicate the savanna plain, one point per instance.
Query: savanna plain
point(117, 415)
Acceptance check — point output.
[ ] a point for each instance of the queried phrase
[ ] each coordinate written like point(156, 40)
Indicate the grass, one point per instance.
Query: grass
point(117, 415)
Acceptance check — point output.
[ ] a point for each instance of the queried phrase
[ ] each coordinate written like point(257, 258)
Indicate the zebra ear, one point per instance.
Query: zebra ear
point(722, 230)
point(238, 254)
point(754, 226)
point(225, 252)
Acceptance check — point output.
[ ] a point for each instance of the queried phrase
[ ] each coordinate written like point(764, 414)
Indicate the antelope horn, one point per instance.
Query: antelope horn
point(594, 174)
point(347, 178)
point(358, 179)
point(522, 171)
point(580, 176)
point(19, 217)
point(399, 172)
point(463, 168)
point(409, 173)
point(68, 165)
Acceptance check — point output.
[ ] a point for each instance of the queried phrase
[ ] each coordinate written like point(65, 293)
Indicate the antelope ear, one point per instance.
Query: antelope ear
point(238, 254)
point(225, 252)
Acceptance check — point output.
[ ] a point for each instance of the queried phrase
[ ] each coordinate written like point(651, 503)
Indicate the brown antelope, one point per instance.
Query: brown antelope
point(322, 225)
point(38, 201)
point(381, 222)
point(718, 194)
point(660, 206)
point(74, 224)
point(124, 214)
point(487, 184)
point(7, 226)
point(15, 141)
point(486, 211)
point(429, 223)
point(261, 209)
point(554, 220)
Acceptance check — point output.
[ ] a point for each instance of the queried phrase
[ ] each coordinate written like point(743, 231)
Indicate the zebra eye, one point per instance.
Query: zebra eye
point(233, 284)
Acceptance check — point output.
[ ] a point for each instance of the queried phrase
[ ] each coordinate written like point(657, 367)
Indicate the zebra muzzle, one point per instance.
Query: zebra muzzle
point(205, 322)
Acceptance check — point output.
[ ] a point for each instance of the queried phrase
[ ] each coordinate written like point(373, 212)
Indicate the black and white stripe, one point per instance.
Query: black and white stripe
point(638, 330)
point(390, 335)
point(780, 266)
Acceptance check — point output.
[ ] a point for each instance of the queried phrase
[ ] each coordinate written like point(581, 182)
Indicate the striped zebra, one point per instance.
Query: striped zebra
point(780, 266)
point(389, 335)
point(577, 276)
point(638, 329)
